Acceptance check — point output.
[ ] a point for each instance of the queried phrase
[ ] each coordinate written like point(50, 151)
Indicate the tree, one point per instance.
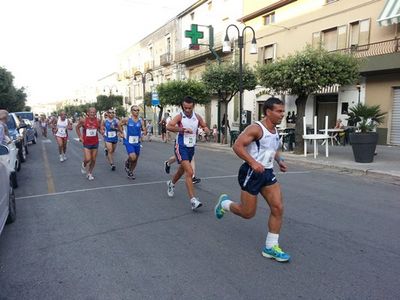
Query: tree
point(222, 80)
point(305, 73)
point(104, 102)
point(172, 92)
point(11, 99)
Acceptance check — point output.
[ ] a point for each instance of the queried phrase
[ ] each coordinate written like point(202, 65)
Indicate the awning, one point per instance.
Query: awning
point(390, 13)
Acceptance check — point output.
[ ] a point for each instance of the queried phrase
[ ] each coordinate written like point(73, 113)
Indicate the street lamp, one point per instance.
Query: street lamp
point(110, 89)
point(143, 76)
point(226, 47)
point(358, 86)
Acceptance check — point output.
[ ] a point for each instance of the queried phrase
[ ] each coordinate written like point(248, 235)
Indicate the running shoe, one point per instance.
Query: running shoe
point(127, 170)
point(167, 167)
point(64, 157)
point(105, 151)
point(195, 203)
point(90, 177)
point(276, 253)
point(112, 167)
point(171, 188)
point(195, 180)
point(131, 175)
point(218, 210)
point(83, 168)
point(61, 158)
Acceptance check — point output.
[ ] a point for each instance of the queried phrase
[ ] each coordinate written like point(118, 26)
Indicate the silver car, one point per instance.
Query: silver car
point(7, 198)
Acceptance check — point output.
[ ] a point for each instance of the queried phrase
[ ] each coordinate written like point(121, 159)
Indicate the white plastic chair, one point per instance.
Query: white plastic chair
point(315, 137)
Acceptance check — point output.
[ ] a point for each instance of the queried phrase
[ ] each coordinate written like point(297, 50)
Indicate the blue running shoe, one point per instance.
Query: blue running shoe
point(276, 253)
point(219, 211)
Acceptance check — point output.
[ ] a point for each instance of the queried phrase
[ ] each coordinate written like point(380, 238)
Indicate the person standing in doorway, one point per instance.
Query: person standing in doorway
point(258, 146)
point(88, 135)
point(185, 124)
point(131, 129)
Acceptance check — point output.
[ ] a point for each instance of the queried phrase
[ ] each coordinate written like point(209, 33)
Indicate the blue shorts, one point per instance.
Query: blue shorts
point(91, 147)
point(253, 182)
point(183, 153)
point(133, 148)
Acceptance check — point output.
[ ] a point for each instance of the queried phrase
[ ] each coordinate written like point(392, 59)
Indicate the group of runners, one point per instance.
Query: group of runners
point(257, 146)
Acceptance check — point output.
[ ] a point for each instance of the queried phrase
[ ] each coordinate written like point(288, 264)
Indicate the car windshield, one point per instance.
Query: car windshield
point(11, 123)
point(25, 115)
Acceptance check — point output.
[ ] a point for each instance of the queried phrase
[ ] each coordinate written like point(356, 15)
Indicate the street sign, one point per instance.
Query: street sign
point(195, 35)
point(154, 99)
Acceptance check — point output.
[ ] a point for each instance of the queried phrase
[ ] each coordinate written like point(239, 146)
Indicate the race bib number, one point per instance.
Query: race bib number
point(268, 158)
point(44, 124)
point(61, 131)
point(111, 134)
point(189, 139)
point(91, 132)
point(133, 139)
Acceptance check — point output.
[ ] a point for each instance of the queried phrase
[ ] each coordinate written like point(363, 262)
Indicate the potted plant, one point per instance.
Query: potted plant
point(365, 138)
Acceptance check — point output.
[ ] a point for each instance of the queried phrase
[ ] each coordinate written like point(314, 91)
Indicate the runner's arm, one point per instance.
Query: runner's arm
point(250, 134)
point(203, 124)
point(172, 125)
point(78, 129)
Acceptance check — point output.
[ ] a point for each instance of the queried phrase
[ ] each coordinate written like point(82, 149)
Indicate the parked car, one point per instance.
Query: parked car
point(29, 116)
point(17, 131)
point(7, 198)
point(9, 157)
point(31, 136)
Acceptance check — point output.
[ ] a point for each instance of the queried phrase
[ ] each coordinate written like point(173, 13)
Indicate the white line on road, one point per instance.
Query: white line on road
point(131, 184)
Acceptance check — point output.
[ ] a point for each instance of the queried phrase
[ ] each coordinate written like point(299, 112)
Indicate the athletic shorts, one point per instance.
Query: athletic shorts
point(253, 182)
point(111, 142)
point(91, 147)
point(64, 138)
point(183, 153)
point(133, 148)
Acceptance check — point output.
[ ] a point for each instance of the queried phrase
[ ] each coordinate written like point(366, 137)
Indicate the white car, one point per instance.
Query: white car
point(7, 198)
point(9, 156)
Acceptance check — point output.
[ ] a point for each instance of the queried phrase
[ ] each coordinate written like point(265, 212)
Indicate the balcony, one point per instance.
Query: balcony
point(166, 59)
point(148, 65)
point(377, 58)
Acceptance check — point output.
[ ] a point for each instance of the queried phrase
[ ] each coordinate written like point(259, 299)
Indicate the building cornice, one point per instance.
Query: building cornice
point(265, 10)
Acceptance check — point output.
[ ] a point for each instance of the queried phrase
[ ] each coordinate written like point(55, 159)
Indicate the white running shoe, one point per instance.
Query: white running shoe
point(61, 158)
point(195, 203)
point(64, 157)
point(90, 177)
point(83, 168)
point(171, 188)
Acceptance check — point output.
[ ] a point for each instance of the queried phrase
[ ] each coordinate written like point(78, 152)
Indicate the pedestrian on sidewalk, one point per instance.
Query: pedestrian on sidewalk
point(186, 124)
point(258, 146)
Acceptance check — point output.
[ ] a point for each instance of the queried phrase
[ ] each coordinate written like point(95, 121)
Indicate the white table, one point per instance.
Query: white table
point(314, 138)
point(332, 134)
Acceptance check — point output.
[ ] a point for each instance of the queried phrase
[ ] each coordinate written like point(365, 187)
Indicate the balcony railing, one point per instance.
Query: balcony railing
point(373, 49)
point(166, 59)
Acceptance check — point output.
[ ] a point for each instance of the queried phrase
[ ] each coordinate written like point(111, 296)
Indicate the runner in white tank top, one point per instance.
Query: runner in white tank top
point(61, 127)
point(258, 146)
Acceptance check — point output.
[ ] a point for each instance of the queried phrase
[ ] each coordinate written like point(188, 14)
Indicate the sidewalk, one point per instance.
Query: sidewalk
point(386, 163)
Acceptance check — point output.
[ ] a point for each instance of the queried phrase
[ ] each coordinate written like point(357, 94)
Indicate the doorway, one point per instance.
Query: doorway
point(326, 105)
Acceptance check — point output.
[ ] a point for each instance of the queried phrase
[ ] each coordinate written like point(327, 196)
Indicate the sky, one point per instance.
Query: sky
point(54, 47)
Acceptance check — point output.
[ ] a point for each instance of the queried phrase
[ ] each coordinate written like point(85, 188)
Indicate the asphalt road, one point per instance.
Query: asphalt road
point(114, 238)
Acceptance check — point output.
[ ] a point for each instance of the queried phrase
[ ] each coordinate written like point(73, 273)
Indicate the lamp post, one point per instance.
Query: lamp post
point(253, 50)
point(358, 86)
point(143, 76)
point(110, 89)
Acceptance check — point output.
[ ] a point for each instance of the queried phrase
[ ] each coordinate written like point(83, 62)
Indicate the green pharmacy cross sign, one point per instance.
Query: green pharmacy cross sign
point(195, 35)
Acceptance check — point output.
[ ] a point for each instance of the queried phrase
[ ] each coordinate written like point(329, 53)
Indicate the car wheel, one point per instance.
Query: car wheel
point(34, 140)
point(22, 154)
point(12, 209)
point(13, 179)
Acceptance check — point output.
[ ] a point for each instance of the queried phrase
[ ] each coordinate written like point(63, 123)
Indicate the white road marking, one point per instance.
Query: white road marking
point(131, 184)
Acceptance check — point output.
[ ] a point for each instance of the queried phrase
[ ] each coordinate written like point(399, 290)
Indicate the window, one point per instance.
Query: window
point(359, 33)
point(192, 16)
point(269, 19)
point(168, 44)
point(342, 37)
point(316, 40)
point(331, 39)
point(268, 54)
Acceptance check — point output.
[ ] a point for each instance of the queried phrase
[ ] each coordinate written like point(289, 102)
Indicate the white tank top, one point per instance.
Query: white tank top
point(188, 139)
point(62, 127)
point(265, 148)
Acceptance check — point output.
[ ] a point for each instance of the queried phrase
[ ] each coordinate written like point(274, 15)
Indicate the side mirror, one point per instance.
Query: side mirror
point(4, 150)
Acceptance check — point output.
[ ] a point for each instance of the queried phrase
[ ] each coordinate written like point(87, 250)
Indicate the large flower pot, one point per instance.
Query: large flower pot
point(364, 145)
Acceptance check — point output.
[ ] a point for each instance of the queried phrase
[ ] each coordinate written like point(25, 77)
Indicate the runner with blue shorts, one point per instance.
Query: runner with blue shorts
point(186, 124)
point(132, 128)
point(110, 128)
